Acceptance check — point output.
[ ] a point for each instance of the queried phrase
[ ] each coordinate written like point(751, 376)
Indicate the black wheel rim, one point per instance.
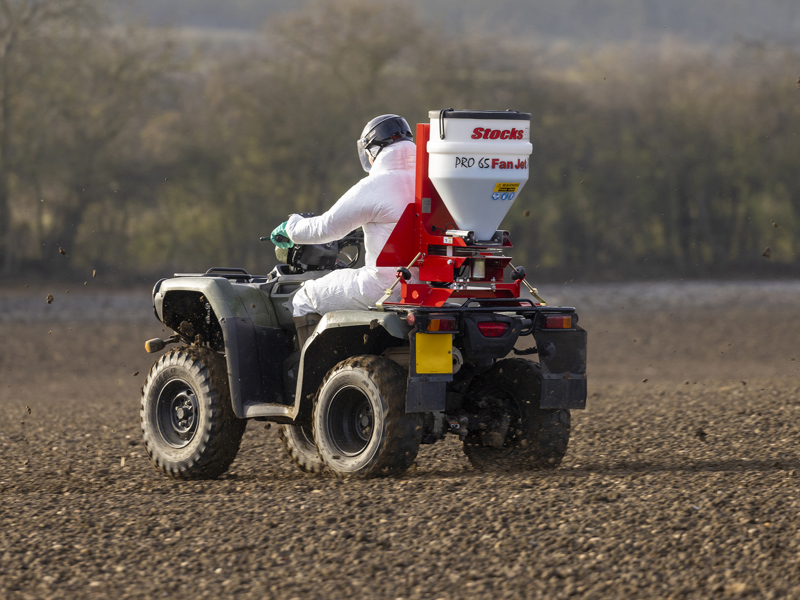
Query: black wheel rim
point(351, 421)
point(177, 413)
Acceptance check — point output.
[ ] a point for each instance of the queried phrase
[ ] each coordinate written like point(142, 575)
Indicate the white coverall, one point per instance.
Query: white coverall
point(375, 203)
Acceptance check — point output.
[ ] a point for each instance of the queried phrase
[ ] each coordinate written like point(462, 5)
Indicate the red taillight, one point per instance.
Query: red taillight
point(492, 329)
point(558, 322)
point(442, 324)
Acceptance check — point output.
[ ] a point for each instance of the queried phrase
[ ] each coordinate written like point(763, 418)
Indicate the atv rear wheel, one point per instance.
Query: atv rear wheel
point(361, 427)
point(519, 435)
point(190, 431)
point(299, 443)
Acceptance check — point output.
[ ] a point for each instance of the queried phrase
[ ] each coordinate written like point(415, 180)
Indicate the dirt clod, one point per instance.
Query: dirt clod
point(767, 253)
point(49, 298)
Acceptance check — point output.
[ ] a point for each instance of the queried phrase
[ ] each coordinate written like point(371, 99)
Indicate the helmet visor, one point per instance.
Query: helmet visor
point(363, 155)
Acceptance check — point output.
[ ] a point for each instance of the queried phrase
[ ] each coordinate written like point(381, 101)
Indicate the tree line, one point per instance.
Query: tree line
point(137, 151)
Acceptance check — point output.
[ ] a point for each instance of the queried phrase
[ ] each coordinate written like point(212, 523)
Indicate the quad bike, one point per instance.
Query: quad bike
point(368, 387)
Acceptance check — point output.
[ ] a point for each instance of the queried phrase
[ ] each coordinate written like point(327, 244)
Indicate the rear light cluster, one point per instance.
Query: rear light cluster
point(435, 323)
point(492, 329)
point(443, 324)
point(557, 322)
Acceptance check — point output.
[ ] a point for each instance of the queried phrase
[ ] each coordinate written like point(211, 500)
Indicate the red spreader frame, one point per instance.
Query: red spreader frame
point(445, 255)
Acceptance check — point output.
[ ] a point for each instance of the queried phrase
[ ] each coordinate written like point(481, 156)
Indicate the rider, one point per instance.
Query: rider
point(375, 203)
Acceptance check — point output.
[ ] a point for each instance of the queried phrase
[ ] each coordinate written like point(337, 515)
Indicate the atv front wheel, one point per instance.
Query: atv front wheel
point(190, 431)
point(519, 435)
point(299, 443)
point(361, 427)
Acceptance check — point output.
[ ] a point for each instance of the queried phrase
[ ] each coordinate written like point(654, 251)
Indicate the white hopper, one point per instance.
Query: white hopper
point(480, 165)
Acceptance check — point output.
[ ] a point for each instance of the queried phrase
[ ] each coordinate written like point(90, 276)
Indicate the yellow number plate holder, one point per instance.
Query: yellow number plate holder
point(434, 353)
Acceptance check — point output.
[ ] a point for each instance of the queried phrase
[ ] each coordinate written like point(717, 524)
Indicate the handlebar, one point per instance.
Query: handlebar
point(316, 257)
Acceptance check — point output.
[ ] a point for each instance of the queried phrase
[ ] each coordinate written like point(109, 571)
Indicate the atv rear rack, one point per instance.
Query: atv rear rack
point(507, 305)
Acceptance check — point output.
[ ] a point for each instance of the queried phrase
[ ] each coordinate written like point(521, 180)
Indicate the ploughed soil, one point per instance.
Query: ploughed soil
point(681, 478)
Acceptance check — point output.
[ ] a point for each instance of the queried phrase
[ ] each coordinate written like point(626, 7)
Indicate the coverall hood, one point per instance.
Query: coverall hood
point(402, 155)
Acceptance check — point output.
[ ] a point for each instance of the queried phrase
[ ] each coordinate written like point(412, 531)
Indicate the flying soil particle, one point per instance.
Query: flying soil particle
point(28, 408)
point(700, 434)
point(94, 273)
point(798, 82)
point(252, 306)
point(526, 213)
point(135, 373)
point(49, 298)
point(366, 338)
point(62, 251)
point(774, 224)
point(767, 253)
point(744, 383)
point(644, 380)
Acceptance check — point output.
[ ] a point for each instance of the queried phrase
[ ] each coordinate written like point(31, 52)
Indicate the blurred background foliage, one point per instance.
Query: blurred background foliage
point(142, 150)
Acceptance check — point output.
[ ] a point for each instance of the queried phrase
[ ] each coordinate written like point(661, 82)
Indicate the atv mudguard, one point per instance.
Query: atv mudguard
point(248, 333)
point(562, 357)
point(340, 335)
point(255, 345)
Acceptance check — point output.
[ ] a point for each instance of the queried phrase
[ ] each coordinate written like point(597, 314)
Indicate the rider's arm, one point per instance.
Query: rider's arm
point(357, 207)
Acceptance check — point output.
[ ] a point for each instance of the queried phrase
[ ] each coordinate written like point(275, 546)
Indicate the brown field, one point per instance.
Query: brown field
point(683, 485)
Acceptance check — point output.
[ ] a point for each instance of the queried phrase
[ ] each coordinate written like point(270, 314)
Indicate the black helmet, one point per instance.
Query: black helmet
point(381, 132)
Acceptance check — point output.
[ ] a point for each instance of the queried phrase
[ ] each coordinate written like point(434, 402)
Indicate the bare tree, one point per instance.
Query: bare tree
point(22, 20)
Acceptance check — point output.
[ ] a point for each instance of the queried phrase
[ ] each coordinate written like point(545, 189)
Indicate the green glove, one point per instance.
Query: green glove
point(280, 238)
